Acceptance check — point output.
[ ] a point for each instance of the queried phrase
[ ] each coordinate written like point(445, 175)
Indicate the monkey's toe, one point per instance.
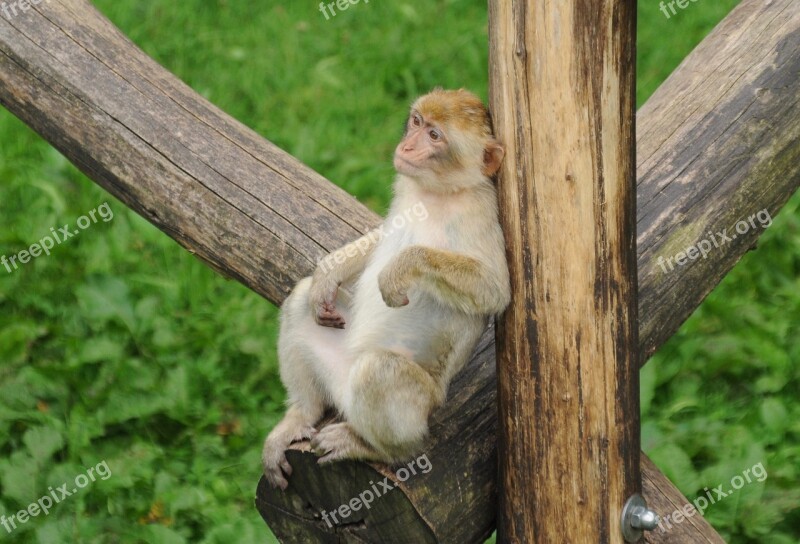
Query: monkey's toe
point(336, 442)
point(304, 433)
point(276, 478)
point(276, 467)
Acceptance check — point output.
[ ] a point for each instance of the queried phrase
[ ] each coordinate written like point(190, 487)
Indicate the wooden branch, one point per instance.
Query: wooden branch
point(567, 347)
point(261, 217)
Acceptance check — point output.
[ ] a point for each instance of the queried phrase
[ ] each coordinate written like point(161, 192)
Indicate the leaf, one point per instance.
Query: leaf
point(16, 340)
point(100, 349)
point(647, 387)
point(676, 465)
point(238, 530)
point(18, 478)
point(127, 406)
point(158, 534)
point(105, 300)
point(43, 442)
point(774, 415)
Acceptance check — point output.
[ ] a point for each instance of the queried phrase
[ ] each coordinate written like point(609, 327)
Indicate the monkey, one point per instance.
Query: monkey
point(383, 325)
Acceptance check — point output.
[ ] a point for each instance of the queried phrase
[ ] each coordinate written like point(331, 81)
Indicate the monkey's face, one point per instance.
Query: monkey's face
point(448, 145)
point(424, 149)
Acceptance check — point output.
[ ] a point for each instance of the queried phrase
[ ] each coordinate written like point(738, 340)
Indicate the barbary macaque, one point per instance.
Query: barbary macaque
point(385, 323)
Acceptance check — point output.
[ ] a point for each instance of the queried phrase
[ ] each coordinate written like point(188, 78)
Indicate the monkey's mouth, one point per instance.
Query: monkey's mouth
point(405, 164)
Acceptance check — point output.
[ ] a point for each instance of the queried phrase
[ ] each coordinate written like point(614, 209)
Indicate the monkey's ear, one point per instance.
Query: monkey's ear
point(492, 158)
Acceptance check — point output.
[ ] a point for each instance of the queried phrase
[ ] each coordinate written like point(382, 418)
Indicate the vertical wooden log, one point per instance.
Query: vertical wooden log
point(562, 95)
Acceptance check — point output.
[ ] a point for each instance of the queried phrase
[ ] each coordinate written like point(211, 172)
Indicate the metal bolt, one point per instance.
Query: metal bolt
point(636, 518)
point(644, 519)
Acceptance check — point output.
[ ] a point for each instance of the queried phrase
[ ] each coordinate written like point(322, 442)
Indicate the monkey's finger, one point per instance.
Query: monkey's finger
point(337, 319)
point(305, 433)
point(286, 467)
point(331, 319)
point(326, 459)
point(276, 479)
point(318, 448)
point(332, 323)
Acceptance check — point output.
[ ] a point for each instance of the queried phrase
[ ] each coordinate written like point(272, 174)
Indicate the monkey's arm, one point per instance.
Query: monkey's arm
point(335, 269)
point(455, 279)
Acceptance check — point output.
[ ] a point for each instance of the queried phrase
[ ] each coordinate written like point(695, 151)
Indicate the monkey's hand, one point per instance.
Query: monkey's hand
point(323, 304)
point(394, 281)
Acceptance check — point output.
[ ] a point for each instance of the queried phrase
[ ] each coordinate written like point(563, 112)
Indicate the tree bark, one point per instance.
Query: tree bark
point(567, 361)
point(728, 119)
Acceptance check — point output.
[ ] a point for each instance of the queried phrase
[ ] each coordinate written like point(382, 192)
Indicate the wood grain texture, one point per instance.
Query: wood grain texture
point(567, 348)
point(662, 497)
point(259, 216)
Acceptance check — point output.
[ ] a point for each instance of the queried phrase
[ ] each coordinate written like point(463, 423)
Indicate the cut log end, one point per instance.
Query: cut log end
point(342, 502)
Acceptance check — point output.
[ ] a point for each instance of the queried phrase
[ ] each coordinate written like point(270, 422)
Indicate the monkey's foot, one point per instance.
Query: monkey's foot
point(339, 441)
point(276, 467)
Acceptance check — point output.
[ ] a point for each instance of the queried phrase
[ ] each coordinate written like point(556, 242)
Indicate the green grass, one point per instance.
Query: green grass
point(122, 347)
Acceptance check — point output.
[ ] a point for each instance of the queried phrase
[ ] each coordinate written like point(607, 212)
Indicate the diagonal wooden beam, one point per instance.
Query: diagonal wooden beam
point(724, 128)
point(718, 142)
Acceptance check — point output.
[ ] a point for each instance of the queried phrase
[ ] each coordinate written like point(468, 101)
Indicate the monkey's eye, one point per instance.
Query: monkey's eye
point(435, 135)
point(416, 120)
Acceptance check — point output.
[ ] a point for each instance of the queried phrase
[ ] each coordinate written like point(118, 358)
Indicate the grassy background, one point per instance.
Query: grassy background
point(122, 347)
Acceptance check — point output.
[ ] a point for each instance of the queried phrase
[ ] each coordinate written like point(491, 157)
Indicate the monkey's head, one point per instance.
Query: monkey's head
point(448, 143)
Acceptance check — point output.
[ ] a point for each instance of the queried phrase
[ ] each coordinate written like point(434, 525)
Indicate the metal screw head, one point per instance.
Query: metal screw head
point(644, 519)
point(636, 518)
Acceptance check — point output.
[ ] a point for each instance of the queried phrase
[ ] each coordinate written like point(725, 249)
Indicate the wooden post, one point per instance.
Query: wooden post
point(562, 95)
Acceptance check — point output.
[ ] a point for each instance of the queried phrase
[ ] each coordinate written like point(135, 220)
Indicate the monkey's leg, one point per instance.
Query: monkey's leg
point(311, 361)
point(387, 405)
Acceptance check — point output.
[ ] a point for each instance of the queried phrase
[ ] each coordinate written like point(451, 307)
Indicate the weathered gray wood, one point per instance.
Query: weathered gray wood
point(260, 216)
point(567, 347)
point(717, 142)
point(665, 499)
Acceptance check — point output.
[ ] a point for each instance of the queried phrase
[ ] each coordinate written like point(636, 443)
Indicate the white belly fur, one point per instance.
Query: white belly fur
point(424, 330)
